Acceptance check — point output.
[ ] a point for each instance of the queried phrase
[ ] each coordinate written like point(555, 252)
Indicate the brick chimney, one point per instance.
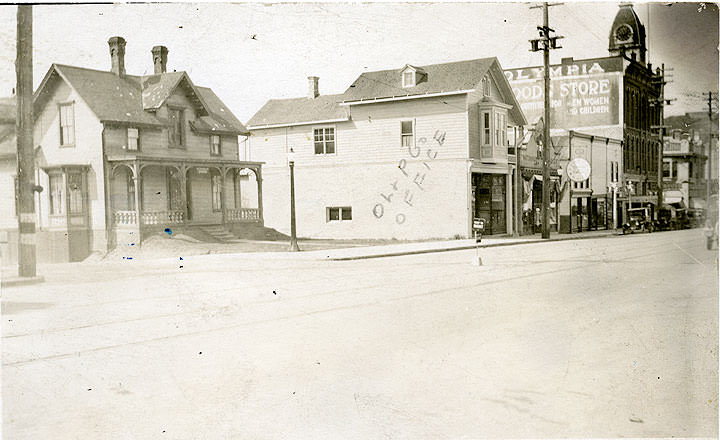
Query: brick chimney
point(160, 54)
point(313, 87)
point(117, 55)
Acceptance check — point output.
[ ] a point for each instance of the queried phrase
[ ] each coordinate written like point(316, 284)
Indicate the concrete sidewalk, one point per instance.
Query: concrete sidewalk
point(360, 253)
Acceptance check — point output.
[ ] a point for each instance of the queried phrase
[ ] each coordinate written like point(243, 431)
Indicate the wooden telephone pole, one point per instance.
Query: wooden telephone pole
point(25, 154)
point(545, 43)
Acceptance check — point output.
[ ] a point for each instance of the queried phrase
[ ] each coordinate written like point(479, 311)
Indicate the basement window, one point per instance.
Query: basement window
point(343, 213)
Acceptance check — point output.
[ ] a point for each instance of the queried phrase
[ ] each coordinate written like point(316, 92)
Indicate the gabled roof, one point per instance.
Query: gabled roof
point(441, 78)
point(219, 117)
point(296, 111)
point(112, 98)
point(132, 99)
point(156, 89)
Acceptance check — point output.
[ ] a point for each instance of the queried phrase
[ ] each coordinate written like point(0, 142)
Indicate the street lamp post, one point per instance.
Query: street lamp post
point(614, 187)
point(293, 233)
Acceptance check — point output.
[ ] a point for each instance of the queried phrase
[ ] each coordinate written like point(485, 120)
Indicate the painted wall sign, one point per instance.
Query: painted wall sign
point(582, 93)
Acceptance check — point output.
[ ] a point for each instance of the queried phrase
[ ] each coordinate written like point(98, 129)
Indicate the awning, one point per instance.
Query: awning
point(671, 197)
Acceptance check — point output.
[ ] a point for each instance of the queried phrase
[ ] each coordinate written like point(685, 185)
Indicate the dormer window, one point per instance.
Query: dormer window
point(408, 78)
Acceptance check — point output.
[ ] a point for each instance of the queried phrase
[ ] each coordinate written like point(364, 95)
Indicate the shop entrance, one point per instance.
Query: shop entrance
point(489, 201)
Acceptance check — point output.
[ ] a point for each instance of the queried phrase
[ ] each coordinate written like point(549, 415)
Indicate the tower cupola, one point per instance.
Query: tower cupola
point(627, 34)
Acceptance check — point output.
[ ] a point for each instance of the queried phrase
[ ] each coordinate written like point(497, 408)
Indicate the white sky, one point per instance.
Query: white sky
point(337, 41)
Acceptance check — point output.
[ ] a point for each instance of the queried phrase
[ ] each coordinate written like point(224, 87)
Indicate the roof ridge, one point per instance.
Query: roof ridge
point(430, 65)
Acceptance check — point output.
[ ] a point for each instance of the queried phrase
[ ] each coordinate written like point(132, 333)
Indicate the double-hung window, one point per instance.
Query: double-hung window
point(215, 145)
point(176, 132)
point(407, 133)
point(133, 139)
point(500, 130)
point(485, 119)
point(67, 124)
point(324, 140)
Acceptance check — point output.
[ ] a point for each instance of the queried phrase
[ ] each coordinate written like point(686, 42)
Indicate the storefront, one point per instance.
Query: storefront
point(490, 202)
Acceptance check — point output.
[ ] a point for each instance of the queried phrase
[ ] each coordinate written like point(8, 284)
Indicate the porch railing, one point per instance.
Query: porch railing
point(163, 217)
point(125, 218)
point(149, 218)
point(242, 215)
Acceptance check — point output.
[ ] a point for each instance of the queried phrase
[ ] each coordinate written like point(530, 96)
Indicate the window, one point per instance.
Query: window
point(486, 86)
point(674, 170)
point(216, 192)
point(324, 140)
point(500, 129)
point(339, 214)
point(486, 128)
point(408, 79)
point(215, 145)
point(75, 191)
point(67, 125)
point(133, 139)
point(56, 194)
point(176, 132)
point(666, 169)
point(406, 133)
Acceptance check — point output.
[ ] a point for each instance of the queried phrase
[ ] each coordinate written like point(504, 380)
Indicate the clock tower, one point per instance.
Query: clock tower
point(627, 34)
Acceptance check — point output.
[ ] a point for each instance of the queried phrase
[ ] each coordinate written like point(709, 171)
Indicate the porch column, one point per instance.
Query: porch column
point(223, 203)
point(182, 180)
point(258, 174)
point(138, 195)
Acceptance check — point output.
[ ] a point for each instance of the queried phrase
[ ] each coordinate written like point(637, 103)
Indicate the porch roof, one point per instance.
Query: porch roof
point(141, 159)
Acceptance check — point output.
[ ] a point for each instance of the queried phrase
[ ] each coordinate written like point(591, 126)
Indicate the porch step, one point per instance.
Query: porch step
point(219, 233)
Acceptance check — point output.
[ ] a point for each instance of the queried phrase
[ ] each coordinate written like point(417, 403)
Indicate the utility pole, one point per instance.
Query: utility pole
point(25, 154)
point(548, 43)
point(660, 102)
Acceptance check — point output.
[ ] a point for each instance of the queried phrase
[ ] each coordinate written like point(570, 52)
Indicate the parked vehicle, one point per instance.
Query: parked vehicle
point(671, 218)
point(638, 220)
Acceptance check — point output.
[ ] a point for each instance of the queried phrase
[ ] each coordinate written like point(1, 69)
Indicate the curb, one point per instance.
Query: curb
point(22, 281)
point(467, 247)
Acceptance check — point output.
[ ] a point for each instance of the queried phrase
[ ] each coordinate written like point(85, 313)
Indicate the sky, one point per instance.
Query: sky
point(251, 52)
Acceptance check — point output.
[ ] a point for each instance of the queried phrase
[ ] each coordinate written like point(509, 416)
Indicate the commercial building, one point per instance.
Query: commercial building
point(408, 153)
point(614, 98)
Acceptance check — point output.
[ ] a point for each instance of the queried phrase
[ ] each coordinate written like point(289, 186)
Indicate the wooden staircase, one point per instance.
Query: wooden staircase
point(219, 233)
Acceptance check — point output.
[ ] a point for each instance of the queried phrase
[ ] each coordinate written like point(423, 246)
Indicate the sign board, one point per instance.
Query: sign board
point(479, 224)
point(583, 93)
point(578, 169)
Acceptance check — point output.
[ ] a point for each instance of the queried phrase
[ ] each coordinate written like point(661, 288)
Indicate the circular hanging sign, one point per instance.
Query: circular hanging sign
point(578, 169)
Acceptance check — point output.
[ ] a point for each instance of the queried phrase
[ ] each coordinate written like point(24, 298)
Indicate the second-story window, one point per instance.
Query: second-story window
point(324, 140)
point(485, 127)
point(215, 145)
point(67, 124)
point(406, 133)
point(133, 139)
point(176, 133)
point(500, 129)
